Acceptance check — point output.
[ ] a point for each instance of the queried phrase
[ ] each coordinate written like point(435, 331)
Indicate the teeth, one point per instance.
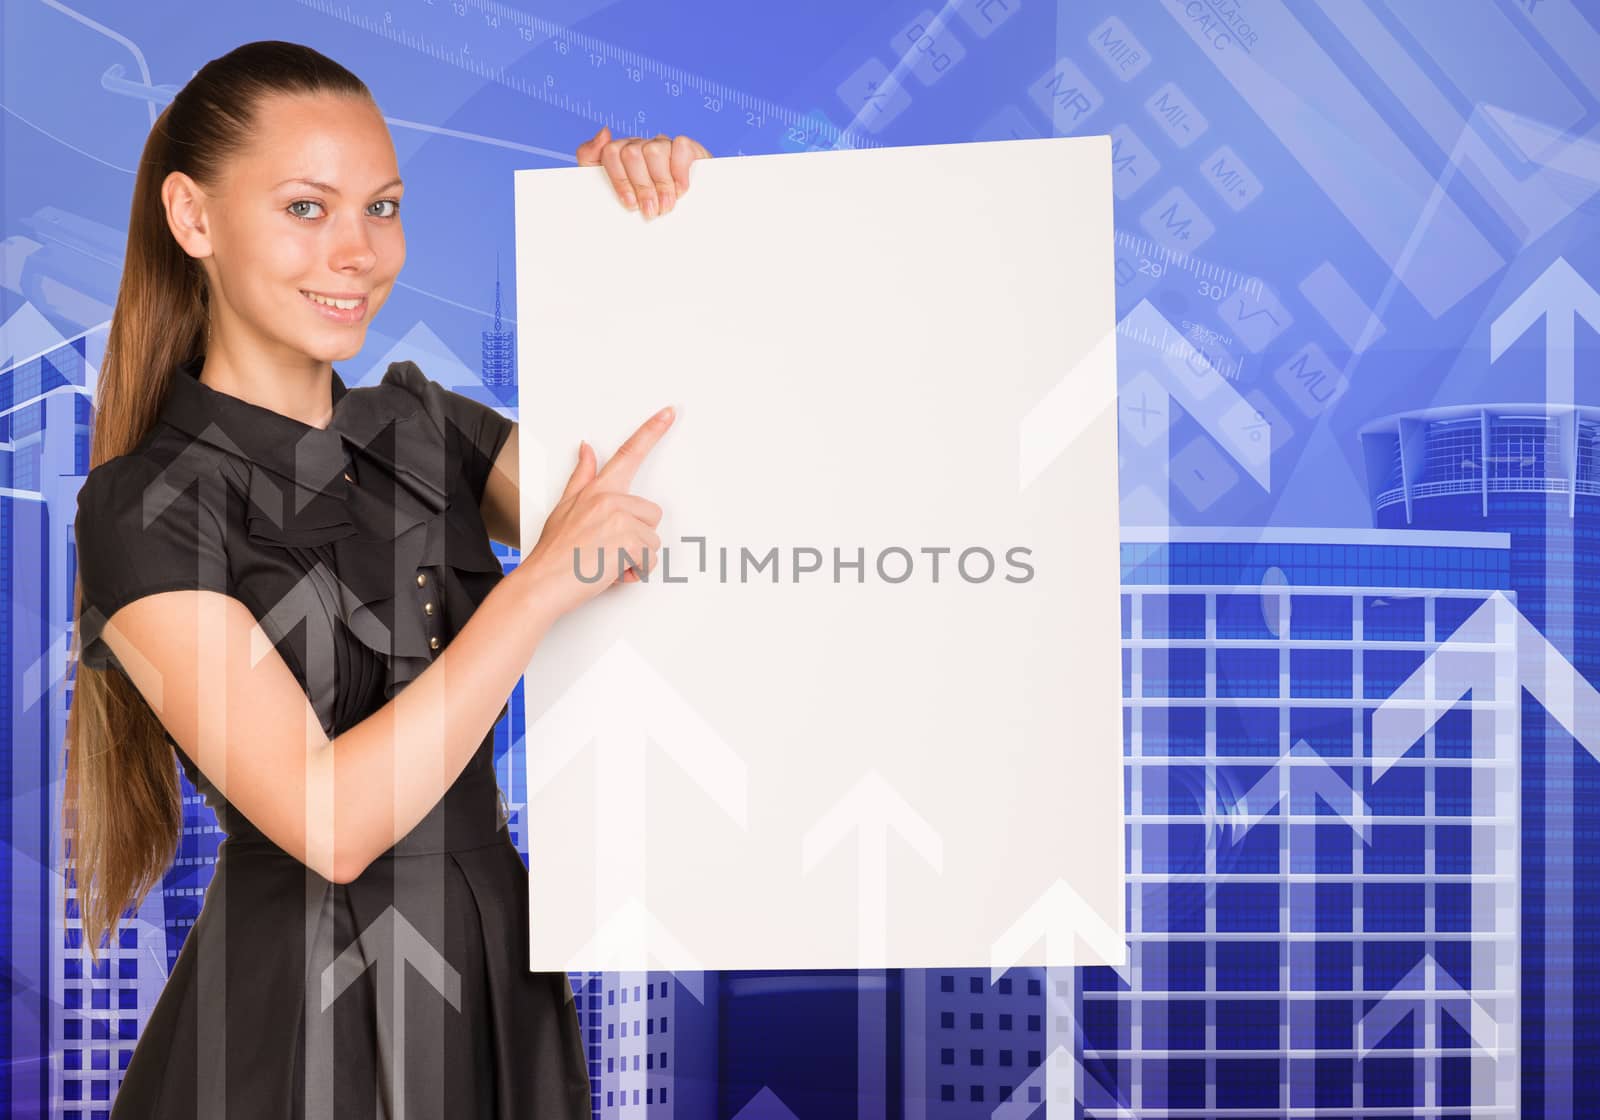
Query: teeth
point(346, 304)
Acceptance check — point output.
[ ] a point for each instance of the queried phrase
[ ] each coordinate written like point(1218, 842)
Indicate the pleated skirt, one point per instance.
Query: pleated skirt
point(402, 995)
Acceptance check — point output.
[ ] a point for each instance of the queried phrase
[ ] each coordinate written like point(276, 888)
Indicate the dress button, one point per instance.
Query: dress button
point(433, 642)
point(422, 579)
point(427, 608)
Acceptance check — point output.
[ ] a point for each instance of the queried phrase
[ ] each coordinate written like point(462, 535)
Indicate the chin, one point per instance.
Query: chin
point(336, 350)
point(349, 349)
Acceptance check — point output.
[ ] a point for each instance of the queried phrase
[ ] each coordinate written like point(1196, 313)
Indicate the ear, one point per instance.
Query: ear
point(185, 206)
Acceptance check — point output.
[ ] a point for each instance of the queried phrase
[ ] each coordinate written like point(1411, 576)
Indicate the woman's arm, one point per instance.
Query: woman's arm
point(501, 505)
point(240, 714)
point(648, 174)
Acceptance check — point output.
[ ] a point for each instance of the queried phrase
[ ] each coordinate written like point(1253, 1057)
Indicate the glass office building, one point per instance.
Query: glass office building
point(1309, 934)
point(1529, 471)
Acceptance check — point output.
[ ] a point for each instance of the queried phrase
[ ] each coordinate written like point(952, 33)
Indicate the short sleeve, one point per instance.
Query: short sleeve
point(474, 431)
point(139, 532)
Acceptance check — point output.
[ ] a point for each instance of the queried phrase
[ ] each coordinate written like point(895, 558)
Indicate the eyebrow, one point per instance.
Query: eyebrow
point(331, 189)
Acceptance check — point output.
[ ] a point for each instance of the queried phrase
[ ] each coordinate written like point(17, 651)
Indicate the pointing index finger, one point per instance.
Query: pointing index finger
point(619, 470)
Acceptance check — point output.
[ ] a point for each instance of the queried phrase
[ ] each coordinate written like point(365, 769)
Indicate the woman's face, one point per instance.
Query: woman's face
point(310, 207)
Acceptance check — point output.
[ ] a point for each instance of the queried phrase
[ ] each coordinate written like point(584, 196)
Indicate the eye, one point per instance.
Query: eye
point(394, 202)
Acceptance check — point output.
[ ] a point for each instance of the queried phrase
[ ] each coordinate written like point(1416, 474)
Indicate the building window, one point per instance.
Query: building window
point(1320, 618)
point(1246, 672)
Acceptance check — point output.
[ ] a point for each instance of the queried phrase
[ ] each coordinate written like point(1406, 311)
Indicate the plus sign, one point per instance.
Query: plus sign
point(1143, 411)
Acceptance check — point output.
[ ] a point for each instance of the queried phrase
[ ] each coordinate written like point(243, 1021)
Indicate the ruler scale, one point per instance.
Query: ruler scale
point(1148, 252)
point(607, 84)
point(583, 75)
point(1142, 265)
point(1172, 344)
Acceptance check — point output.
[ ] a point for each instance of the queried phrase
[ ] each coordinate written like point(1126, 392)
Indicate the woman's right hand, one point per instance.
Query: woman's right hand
point(594, 518)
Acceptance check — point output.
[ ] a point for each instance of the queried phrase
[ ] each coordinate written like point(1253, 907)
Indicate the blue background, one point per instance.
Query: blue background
point(1329, 204)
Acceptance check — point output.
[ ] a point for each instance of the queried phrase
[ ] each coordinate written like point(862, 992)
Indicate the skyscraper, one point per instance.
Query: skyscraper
point(499, 347)
point(1305, 934)
point(1528, 471)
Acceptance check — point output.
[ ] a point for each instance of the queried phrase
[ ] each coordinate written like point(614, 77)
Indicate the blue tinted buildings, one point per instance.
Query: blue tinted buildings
point(1529, 471)
point(72, 1024)
point(1306, 934)
point(499, 348)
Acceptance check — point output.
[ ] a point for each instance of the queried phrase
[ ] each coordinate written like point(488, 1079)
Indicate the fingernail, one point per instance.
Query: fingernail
point(665, 413)
point(629, 201)
point(649, 208)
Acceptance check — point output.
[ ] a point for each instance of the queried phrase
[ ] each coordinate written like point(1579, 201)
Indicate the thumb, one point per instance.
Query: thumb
point(587, 149)
point(583, 473)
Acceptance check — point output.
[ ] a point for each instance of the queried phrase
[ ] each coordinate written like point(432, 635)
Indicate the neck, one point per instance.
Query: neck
point(291, 384)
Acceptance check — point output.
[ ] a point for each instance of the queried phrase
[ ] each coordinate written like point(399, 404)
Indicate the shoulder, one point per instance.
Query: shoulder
point(407, 375)
point(145, 524)
point(446, 406)
point(115, 486)
point(473, 429)
point(161, 473)
point(153, 504)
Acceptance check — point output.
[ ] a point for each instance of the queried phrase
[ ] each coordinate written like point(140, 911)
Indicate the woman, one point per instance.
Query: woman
point(291, 583)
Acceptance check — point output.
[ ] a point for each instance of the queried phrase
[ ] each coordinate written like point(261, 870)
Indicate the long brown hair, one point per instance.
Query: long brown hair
point(121, 810)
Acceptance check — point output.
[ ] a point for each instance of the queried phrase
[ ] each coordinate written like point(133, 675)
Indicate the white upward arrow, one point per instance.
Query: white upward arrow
point(632, 939)
point(1059, 917)
point(1561, 297)
point(765, 1105)
point(620, 705)
point(1478, 656)
point(871, 808)
point(1494, 654)
point(314, 599)
point(28, 336)
point(1314, 775)
point(1428, 985)
point(1188, 375)
point(1413, 991)
point(392, 943)
point(1087, 390)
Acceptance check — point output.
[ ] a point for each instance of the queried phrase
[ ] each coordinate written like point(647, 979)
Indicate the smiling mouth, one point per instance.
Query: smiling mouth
point(352, 304)
point(341, 311)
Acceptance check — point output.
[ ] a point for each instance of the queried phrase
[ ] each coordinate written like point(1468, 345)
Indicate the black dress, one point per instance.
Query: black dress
point(361, 550)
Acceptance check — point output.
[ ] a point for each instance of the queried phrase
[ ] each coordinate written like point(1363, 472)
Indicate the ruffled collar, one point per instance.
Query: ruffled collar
point(312, 460)
point(390, 519)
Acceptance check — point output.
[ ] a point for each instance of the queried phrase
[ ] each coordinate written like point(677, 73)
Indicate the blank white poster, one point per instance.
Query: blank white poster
point(868, 714)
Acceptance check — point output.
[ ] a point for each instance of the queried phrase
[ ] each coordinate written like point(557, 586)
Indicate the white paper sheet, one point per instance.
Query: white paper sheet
point(905, 348)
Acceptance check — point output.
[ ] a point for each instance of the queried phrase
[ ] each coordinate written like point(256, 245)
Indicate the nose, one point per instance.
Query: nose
point(352, 250)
